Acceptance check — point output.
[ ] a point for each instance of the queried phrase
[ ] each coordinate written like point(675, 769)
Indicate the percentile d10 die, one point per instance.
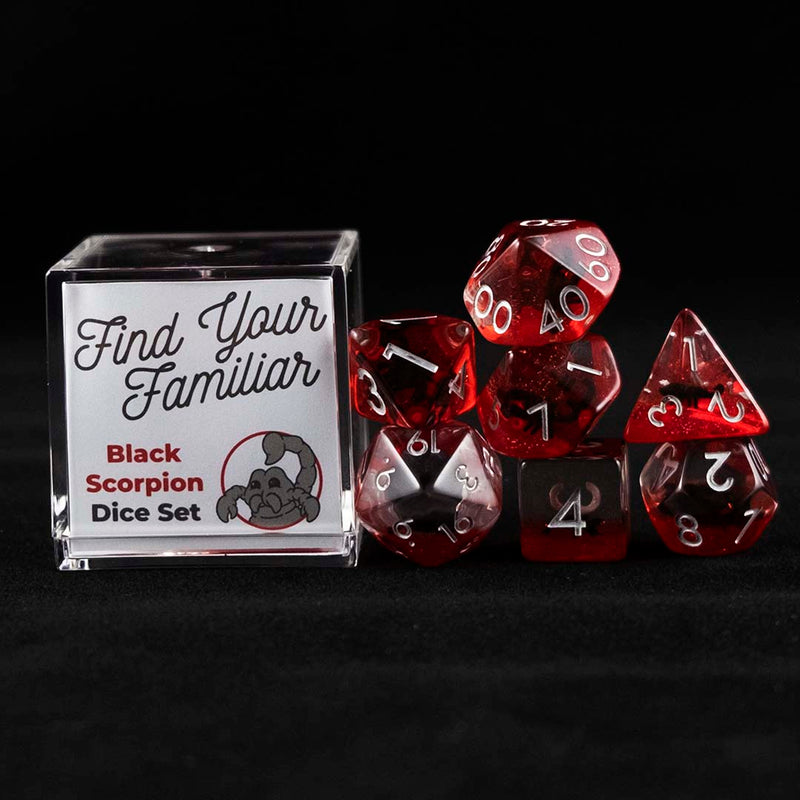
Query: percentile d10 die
point(542, 281)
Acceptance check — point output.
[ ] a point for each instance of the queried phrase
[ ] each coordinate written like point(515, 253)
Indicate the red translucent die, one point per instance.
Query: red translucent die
point(577, 507)
point(708, 498)
point(541, 402)
point(413, 370)
point(430, 494)
point(542, 281)
point(693, 392)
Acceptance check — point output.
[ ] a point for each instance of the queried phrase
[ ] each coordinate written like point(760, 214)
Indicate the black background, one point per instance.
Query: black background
point(426, 128)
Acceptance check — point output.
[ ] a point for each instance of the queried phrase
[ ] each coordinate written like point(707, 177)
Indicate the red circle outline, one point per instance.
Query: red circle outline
point(225, 466)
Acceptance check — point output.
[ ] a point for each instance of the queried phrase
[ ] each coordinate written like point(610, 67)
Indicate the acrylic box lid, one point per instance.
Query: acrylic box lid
point(192, 251)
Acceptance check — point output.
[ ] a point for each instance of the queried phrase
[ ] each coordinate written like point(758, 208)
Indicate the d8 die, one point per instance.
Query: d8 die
point(577, 507)
point(430, 494)
point(413, 370)
point(708, 498)
point(541, 402)
point(542, 281)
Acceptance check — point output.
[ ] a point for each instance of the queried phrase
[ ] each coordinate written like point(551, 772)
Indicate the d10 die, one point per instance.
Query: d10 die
point(541, 402)
point(577, 507)
point(693, 392)
point(708, 498)
point(413, 370)
point(542, 281)
point(430, 494)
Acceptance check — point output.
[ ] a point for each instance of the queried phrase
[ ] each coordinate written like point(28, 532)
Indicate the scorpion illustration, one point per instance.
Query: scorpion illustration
point(275, 501)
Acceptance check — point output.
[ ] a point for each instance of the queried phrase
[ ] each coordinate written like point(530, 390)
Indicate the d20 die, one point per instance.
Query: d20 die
point(542, 281)
point(413, 370)
point(708, 498)
point(541, 402)
point(430, 494)
point(577, 507)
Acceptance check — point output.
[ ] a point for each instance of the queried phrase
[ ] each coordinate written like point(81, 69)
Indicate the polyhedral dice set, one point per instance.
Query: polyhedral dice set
point(538, 288)
point(209, 396)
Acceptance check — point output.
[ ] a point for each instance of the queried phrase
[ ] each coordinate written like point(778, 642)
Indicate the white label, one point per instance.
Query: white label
point(202, 408)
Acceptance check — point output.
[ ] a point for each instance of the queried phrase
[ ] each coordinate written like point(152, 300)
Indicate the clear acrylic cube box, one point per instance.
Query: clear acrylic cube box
point(199, 400)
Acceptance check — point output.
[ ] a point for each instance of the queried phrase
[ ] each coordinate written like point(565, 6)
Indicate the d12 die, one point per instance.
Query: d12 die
point(708, 498)
point(541, 402)
point(430, 494)
point(576, 508)
point(413, 370)
point(542, 281)
point(693, 392)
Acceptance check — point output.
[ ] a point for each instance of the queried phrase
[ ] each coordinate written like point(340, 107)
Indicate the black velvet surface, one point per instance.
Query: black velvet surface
point(661, 675)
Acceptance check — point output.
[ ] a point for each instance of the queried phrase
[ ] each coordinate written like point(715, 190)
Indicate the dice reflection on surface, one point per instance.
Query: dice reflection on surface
point(708, 498)
point(541, 402)
point(413, 370)
point(542, 281)
point(429, 494)
point(576, 507)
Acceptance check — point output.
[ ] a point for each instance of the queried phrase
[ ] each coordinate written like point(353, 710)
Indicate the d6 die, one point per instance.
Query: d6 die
point(576, 508)
point(542, 281)
point(413, 370)
point(708, 498)
point(430, 494)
